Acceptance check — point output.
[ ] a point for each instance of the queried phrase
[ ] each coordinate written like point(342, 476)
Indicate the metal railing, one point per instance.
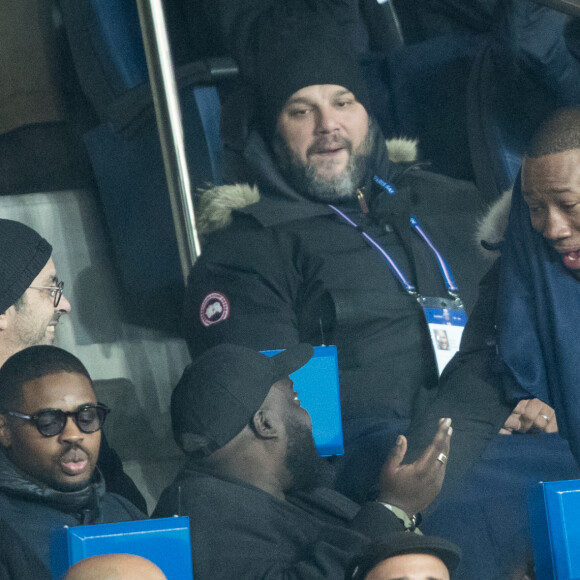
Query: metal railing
point(168, 114)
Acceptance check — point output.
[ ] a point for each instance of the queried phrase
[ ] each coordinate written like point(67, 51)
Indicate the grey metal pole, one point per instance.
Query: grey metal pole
point(168, 113)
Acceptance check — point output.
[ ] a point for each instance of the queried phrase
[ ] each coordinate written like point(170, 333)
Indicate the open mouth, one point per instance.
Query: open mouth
point(571, 259)
point(74, 462)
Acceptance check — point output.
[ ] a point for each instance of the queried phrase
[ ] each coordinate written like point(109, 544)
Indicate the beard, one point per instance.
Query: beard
point(307, 469)
point(31, 325)
point(306, 177)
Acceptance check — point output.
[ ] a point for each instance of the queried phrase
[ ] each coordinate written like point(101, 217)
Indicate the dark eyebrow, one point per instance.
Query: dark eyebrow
point(307, 101)
point(297, 101)
point(555, 190)
point(343, 92)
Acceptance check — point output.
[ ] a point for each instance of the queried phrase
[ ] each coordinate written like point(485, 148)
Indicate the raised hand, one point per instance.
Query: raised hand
point(412, 487)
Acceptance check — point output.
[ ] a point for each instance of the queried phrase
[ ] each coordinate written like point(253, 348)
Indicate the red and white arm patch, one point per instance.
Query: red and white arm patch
point(214, 308)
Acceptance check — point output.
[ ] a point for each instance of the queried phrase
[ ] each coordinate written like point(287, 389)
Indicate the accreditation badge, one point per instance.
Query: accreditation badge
point(446, 320)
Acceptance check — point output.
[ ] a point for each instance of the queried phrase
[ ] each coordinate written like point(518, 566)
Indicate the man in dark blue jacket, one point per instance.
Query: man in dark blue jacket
point(50, 433)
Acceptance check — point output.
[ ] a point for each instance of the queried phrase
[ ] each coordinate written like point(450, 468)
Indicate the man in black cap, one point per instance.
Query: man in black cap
point(323, 249)
point(31, 305)
point(31, 296)
point(252, 488)
point(409, 556)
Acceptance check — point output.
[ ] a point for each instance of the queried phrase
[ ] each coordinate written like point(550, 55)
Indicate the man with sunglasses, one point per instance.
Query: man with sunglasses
point(31, 304)
point(50, 434)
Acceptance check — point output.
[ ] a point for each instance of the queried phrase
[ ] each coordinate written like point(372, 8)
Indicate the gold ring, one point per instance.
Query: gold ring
point(547, 419)
point(442, 458)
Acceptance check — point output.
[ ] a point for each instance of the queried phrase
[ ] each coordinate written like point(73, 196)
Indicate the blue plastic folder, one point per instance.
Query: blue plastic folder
point(318, 390)
point(164, 541)
point(554, 509)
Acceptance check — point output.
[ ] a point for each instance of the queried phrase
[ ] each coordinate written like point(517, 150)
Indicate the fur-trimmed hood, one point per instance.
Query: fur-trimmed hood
point(492, 226)
point(217, 203)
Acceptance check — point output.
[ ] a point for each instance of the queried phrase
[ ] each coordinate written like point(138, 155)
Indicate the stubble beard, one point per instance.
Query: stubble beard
point(307, 179)
point(307, 469)
point(29, 331)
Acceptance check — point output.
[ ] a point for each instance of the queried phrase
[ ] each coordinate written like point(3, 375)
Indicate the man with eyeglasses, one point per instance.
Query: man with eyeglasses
point(50, 434)
point(31, 296)
point(31, 304)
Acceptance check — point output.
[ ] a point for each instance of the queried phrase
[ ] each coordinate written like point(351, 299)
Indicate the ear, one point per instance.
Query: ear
point(4, 320)
point(265, 425)
point(5, 432)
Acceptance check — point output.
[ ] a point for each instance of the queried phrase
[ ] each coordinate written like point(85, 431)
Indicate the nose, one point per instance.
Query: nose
point(555, 226)
point(71, 433)
point(64, 304)
point(327, 120)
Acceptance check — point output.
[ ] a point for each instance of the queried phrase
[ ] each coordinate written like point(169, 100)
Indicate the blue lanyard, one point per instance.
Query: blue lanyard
point(452, 288)
point(386, 256)
point(443, 266)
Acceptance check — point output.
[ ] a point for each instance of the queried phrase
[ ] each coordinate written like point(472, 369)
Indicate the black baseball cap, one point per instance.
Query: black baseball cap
point(398, 544)
point(220, 391)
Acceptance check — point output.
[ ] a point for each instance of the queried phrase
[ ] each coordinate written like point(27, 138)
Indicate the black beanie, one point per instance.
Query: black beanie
point(23, 254)
point(304, 53)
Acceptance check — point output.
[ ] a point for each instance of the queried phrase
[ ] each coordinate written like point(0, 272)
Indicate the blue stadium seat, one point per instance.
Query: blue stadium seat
point(107, 48)
point(498, 129)
point(427, 81)
point(527, 69)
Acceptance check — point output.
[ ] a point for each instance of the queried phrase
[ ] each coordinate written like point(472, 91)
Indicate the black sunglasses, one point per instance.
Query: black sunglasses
point(50, 422)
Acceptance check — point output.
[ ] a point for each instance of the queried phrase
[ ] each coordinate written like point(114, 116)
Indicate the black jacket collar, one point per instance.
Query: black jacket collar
point(13, 483)
point(280, 202)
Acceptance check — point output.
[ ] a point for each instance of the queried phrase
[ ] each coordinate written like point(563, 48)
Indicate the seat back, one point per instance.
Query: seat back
point(427, 82)
point(525, 71)
point(497, 131)
point(125, 151)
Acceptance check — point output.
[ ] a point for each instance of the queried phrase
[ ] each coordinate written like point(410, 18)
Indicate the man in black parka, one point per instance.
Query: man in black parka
point(288, 268)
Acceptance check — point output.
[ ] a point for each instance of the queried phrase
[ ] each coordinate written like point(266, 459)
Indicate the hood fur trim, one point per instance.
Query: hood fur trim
point(402, 150)
point(492, 226)
point(217, 204)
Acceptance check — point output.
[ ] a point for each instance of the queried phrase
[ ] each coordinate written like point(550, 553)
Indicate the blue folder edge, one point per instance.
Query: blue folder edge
point(164, 541)
point(318, 389)
point(554, 510)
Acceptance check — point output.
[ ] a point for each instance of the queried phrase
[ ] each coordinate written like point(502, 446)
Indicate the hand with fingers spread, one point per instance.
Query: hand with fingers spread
point(531, 415)
point(412, 487)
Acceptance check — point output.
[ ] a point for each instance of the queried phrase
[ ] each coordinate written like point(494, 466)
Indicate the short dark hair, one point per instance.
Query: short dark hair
point(559, 132)
point(33, 363)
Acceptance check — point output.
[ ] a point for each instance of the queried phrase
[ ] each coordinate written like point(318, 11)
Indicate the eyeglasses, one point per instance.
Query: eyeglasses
point(51, 422)
point(55, 291)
